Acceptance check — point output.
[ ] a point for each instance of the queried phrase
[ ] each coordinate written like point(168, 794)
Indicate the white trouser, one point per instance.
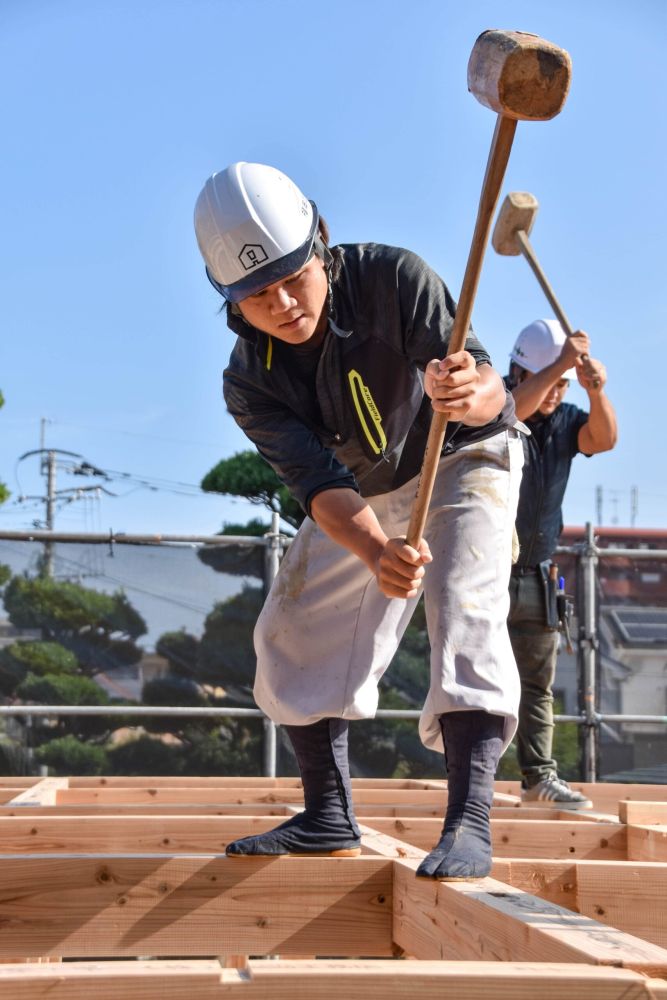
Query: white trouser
point(327, 634)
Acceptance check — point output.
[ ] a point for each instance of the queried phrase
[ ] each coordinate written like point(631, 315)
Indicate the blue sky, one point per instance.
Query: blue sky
point(117, 111)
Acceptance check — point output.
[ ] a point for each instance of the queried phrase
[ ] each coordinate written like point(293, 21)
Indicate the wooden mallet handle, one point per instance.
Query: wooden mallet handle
point(493, 179)
point(529, 254)
point(521, 77)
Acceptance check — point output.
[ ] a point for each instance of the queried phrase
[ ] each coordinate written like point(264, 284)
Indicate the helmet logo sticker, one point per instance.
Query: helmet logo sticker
point(252, 255)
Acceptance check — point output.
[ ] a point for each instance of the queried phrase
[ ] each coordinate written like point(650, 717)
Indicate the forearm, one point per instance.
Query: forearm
point(348, 519)
point(489, 398)
point(530, 394)
point(600, 433)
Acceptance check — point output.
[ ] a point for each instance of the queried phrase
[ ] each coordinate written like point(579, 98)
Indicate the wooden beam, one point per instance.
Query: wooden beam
point(555, 881)
point(558, 882)
point(6, 795)
point(326, 979)
point(180, 781)
point(647, 843)
point(532, 814)
point(181, 795)
point(607, 795)
point(521, 838)
point(44, 793)
point(630, 897)
point(208, 905)
point(373, 842)
point(224, 781)
point(162, 808)
point(406, 809)
point(642, 812)
point(488, 920)
point(151, 809)
point(219, 795)
point(19, 781)
point(127, 834)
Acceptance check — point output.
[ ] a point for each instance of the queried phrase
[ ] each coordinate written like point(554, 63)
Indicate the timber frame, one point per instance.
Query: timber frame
point(119, 887)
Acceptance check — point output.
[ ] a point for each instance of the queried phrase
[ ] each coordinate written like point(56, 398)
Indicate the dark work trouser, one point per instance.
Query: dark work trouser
point(535, 648)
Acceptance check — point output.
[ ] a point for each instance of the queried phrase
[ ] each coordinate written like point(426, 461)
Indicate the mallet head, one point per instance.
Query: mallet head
point(519, 75)
point(518, 211)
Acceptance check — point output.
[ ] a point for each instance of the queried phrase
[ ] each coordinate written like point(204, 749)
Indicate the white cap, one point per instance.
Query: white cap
point(539, 344)
point(253, 227)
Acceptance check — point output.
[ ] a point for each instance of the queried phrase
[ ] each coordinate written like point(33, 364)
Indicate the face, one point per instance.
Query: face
point(292, 309)
point(554, 396)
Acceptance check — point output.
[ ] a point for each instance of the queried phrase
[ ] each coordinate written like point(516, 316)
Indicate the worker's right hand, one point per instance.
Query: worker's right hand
point(399, 569)
point(574, 347)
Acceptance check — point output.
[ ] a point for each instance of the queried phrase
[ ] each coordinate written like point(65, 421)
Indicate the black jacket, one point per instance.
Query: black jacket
point(362, 420)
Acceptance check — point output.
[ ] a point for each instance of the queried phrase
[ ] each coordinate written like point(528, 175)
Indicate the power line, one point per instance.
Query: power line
point(66, 561)
point(136, 588)
point(149, 482)
point(138, 434)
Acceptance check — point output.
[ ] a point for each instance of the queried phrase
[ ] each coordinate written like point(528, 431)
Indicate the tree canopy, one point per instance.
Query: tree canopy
point(98, 628)
point(247, 475)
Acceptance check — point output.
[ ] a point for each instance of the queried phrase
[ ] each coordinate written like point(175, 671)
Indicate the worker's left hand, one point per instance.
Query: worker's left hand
point(453, 384)
point(592, 374)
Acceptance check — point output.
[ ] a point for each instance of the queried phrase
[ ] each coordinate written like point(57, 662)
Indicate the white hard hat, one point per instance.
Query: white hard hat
point(253, 226)
point(538, 345)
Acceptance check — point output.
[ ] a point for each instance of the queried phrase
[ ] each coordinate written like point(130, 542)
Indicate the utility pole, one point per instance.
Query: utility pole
point(598, 504)
point(50, 503)
point(48, 468)
point(634, 505)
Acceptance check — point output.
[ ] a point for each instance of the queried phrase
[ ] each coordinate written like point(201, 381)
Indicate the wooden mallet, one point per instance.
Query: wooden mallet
point(523, 78)
point(510, 238)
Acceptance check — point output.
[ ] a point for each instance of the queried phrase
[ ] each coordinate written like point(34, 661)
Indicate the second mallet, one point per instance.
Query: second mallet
point(510, 238)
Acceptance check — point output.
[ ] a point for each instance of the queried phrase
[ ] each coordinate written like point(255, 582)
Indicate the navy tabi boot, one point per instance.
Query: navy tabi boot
point(473, 743)
point(327, 826)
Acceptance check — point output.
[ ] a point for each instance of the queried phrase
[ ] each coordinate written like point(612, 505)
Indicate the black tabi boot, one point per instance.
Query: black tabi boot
point(327, 826)
point(473, 743)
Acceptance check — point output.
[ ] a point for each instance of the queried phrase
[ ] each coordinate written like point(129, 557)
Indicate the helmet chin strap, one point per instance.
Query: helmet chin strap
point(321, 250)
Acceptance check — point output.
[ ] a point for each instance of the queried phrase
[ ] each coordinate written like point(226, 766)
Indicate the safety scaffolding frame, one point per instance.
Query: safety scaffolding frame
point(587, 554)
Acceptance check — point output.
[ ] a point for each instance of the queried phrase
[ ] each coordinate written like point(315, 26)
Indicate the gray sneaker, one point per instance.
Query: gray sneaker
point(553, 791)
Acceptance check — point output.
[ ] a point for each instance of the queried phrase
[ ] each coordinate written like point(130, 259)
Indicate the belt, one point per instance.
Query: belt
point(524, 570)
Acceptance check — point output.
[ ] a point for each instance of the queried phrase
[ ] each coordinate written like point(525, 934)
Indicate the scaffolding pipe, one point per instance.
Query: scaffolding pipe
point(194, 712)
point(587, 652)
point(122, 538)
point(256, 713)
point(273, 555)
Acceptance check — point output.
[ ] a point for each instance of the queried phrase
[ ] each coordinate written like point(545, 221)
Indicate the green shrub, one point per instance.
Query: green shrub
point(68, 755)
point(145, 755)
point(61, 690)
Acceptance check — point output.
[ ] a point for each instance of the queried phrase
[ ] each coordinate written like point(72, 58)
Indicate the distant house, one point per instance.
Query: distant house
point(10, 634)
point(127, 682)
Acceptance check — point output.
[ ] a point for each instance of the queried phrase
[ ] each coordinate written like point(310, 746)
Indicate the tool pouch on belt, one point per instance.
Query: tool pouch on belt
point(549, 586)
